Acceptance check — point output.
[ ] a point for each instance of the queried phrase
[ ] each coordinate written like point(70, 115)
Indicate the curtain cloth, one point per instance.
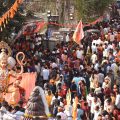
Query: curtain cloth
point(27, 83)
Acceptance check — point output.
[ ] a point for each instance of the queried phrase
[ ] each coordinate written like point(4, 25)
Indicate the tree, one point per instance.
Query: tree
point(88, 9)
point(14, 24)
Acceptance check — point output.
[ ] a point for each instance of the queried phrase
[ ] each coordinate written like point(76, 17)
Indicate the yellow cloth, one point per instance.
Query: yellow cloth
point(74, 113)
point(49, 99)
point(52, 81)
point(113, 99)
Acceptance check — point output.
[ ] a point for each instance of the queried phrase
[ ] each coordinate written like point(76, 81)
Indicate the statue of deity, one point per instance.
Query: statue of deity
point(6, 64)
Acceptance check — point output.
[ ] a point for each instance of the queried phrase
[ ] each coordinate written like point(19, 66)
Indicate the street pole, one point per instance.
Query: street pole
point(48, 29)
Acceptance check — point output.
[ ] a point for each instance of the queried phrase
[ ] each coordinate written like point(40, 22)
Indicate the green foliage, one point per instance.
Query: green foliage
point(90, 9)
point(101, 5)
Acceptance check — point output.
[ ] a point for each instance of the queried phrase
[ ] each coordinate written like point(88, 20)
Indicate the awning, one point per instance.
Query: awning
point(31, 28)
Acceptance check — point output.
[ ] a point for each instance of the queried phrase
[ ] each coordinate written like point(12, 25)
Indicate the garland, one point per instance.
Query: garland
point(9, 14)
point(32, 116)
point(75, 25)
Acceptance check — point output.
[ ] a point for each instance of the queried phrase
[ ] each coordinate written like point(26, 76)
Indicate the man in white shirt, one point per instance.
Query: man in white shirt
point(62, 114)
point(37, 67)
point(112, 37)
point(94, 42)
point(94, 58)
point(94, 49)
point(54, 65)
point(95, 102)
point(67, 38)
point(117, 101)
point(99, 41)
point(79, 53)
point(105, 52)
point(114, 68)
point(100, 77)
point(68, 111)
point(96, 113)
point(45, 73)
point(96, 66)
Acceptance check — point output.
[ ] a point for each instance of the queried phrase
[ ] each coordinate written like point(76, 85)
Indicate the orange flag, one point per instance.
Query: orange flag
point(79, 33)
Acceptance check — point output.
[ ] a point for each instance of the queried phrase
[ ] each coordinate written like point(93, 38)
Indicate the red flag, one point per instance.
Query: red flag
point(79, 33)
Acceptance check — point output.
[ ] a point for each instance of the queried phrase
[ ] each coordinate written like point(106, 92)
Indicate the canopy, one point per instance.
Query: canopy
point(31, 28)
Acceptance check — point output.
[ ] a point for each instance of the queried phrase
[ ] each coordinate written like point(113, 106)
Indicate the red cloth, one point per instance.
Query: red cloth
point(84, 105)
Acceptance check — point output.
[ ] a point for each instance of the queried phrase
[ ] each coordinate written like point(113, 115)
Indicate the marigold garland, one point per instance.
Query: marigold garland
point(32, 116)
point(9, 14)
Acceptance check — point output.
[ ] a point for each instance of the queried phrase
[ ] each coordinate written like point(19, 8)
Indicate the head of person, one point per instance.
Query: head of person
point(107, 117)
point(109, 101)
point(97, 108)
point(56, 95)
point(60, 109)
point(4, 104)
point(95, 99)
point(20, 103)
point(78, 106)
point(49, 92)
point(106, 80)
point(16, 108)
point(115, 88)
point(99, 117)
point(10, 108)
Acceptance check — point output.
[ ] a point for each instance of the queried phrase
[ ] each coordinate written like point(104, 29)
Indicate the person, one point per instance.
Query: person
point(75, 102)
point(20, 104)
point(73, 89)
point(99, 72)
point(94, 58)
point(94, 49)
point(15, 92)
point(45, 74)
point(99, 117)
point(79, 53)
point(117, 101)
point(82, 89)
point(68, 111)
point(49, 97)
point(62, 113)
point(17, 113)
point(80, 113)
point(96, 112)
point(3, 109)
point(85, 107)
point(95, 102)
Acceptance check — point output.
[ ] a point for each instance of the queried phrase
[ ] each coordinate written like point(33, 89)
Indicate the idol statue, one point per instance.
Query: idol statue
point(7, 63)
point(37, 107)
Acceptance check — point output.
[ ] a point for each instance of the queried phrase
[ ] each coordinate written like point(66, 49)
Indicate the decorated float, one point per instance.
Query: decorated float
point(14, 85)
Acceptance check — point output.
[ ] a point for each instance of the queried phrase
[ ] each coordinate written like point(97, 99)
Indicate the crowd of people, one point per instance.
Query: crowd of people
point(80, 82)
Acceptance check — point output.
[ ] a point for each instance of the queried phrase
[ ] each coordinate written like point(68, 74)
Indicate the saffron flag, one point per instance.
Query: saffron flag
point(79, 33)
